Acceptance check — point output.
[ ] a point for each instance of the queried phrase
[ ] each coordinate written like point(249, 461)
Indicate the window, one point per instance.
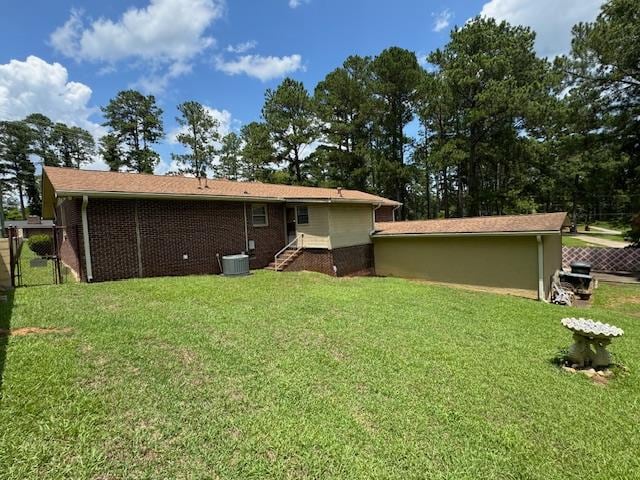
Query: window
point(259, 216)
point(302, 215)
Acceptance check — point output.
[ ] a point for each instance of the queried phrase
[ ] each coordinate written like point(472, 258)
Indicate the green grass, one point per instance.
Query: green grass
point(617, 225)
point(570, 241)
point(622, 298)
point(606, 236)
point(300, 375)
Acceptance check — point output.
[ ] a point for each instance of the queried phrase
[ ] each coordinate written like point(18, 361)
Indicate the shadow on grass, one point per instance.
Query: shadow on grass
point(560, 357)
point(6, 307)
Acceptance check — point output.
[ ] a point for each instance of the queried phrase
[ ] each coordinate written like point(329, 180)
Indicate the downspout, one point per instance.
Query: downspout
point(85, 238)
point(393, 213)
point(373, 219)
point(138, 241)
point(246, 229)
point(541, 295)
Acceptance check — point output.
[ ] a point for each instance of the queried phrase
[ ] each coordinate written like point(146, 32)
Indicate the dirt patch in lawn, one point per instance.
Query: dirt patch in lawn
point(20, 332)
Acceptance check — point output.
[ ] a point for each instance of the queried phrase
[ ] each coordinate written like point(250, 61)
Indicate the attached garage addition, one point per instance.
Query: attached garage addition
point(511, 254)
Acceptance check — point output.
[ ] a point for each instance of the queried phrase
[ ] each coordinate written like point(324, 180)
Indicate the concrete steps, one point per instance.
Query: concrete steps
point(284, 260)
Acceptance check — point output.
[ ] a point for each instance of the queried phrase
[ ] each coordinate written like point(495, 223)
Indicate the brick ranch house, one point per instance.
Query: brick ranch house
point(123, 225)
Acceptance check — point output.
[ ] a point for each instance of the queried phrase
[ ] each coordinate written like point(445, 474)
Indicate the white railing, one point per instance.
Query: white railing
point(298, 241)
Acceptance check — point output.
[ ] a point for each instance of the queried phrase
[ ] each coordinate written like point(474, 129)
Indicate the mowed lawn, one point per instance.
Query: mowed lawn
point(300, 375)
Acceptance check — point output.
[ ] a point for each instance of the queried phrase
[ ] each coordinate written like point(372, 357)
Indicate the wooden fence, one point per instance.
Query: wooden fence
point(604, 259)
point(5, 265)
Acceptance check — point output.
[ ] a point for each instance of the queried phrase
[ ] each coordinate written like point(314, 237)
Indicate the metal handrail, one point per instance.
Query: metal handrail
point(298, 248)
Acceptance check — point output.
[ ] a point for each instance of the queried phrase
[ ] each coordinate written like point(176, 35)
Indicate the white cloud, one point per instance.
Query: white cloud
point(263, 68)
point(165, 30)
point(441, 20)
point(552, 20)
point(297, 3)
point(242, 47)
point(156, 83)
point(65, 38)
point(225, 120)
point(35, 86)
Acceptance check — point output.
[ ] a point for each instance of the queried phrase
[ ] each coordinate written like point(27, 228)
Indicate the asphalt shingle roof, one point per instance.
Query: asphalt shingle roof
point(71, 180)
point(541, 222)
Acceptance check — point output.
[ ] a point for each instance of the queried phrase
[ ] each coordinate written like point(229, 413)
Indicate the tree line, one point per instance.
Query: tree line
point(499, 129)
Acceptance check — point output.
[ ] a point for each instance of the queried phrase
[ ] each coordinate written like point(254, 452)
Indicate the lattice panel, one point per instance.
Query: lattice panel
point(605, 259)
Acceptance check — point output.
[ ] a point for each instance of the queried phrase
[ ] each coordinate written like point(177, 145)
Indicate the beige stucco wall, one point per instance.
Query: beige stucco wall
point(552, 245)
point(350, 225)
point(336, 226)
point(316, 232)
point(506, 263)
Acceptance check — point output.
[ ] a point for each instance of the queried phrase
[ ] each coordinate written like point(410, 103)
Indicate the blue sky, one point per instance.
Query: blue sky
point(68, 58)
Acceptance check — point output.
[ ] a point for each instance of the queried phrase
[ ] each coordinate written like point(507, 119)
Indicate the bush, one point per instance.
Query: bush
point(41, 244)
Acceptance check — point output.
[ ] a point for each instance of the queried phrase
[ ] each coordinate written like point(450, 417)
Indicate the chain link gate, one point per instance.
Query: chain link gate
point(39, 265)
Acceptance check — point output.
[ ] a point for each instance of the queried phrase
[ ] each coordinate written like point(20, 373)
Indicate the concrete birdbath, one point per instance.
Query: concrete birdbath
point(586, 332)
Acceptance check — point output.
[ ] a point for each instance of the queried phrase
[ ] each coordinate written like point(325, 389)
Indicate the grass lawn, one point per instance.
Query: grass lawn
point(623, 298)
point(617, 225)
point(571, 241)
point(300, 375)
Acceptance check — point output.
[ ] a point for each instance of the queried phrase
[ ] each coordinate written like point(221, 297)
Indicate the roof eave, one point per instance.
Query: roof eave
point(167, 196)
point(199, 196)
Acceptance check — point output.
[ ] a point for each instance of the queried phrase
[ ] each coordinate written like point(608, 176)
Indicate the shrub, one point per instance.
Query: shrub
point(41, 244)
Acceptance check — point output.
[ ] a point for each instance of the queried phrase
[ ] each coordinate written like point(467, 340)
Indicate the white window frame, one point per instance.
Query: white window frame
point(253, 215)
point(298, 215)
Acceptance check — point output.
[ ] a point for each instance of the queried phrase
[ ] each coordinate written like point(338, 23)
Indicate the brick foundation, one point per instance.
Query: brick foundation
point(356, 260)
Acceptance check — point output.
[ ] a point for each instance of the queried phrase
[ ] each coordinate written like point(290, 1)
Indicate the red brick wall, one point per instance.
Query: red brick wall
point(112, 239)
point(313, 260)
point(270, 239)
point(356, 260)
point(70, 248)
point(384, 214)
point(170, 229)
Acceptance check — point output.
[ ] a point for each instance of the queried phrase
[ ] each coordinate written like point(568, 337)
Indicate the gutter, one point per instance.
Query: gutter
point(373, 218)
point(393, 212)
point(194, 196)
point(246, 229)
point(169, 196)
point(85, 238)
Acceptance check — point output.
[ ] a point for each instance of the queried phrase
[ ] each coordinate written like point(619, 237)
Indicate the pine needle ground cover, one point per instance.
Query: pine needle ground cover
point(300, 375)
